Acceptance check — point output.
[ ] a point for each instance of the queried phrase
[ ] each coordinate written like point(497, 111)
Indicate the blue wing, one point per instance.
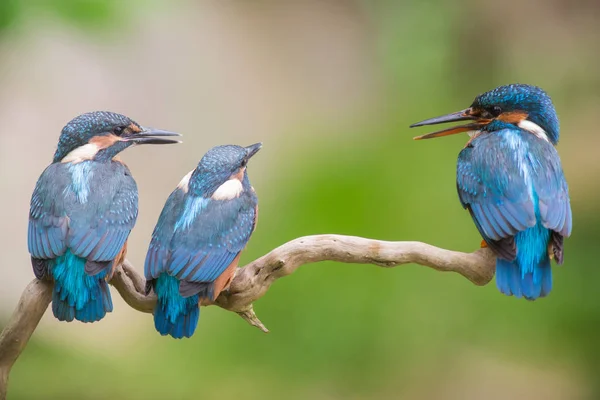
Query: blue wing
point(552, 189)
point(491, 184)
point(94, 226)
point(502, 176)
point(159, 249)
point(99, 230)
point(196, 239)
point(48, 222)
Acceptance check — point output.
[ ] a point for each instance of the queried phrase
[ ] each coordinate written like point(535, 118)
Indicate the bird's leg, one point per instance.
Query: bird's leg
point(551, 250)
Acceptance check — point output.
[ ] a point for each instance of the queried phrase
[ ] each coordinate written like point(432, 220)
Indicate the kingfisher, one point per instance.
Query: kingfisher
point(510, 179)
point(83, 208)
point(196, 245)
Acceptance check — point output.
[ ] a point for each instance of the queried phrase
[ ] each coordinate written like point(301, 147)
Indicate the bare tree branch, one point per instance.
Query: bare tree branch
point(30, 309)
point(252, 281)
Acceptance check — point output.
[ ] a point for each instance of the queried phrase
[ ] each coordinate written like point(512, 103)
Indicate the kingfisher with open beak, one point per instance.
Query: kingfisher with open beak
point(510, 178)
point(198, 239)
point(83, 208)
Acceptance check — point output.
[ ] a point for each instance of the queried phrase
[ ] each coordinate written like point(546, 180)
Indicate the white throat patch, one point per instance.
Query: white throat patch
point(229, 190)
point(534, 128)
point(82, 153)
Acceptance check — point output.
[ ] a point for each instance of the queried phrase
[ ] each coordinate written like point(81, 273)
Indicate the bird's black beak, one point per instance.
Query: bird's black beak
point(153, 136)
point(463, 115)
point(252, 150)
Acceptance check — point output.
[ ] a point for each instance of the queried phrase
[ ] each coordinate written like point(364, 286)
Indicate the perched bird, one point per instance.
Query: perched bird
point(510, 178)
point(83, 207)
point(196, 244)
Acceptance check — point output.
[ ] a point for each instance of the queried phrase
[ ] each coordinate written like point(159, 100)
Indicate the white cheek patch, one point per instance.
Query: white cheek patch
point(534, 128)
point(229, 190)
point(82, 153)
point(185, 182)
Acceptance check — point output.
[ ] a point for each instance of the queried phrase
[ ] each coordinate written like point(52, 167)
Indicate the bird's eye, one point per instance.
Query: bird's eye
point(496, 110)
point(119, 130)
point(244, 162)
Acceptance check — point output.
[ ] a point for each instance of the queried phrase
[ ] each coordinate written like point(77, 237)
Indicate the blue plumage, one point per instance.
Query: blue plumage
point(505, 178)
point(82, 210)
point(529, 274)
point(204, 225)
point(78, 236)
point(175, 315)
point(77, 294)
point(532, 99)
point(510, 179)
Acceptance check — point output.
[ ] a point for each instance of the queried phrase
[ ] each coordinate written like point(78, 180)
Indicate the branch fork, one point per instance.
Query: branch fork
point(252, 281)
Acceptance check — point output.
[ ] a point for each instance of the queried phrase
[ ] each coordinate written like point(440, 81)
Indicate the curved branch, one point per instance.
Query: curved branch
point(31, 307)
point(252, 281)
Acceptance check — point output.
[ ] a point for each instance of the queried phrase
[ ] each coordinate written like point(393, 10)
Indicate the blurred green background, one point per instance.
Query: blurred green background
point(330, 87)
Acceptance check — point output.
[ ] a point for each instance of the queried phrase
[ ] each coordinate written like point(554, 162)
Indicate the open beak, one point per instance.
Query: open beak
point(153, 136)
point(463, 115)
point(252, 150)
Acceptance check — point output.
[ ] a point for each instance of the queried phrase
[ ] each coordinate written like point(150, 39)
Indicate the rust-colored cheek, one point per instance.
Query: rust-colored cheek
point(105, 141)
point(513, 117)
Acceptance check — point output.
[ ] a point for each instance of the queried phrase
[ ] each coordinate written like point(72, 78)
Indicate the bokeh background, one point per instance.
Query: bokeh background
point(330, 87)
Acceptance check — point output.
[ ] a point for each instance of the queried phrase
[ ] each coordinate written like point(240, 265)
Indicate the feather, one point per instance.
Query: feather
point(196, 241)
point(78, 224)
point(513, 186)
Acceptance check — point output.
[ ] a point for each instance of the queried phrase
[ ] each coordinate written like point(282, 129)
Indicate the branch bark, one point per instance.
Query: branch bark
point(30, 309)
point(252, 281)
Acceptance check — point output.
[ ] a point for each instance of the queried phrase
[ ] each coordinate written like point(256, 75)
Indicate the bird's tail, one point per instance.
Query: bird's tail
point(512, 281)
point(78, 295)
point(174, 314)
point(530, 274)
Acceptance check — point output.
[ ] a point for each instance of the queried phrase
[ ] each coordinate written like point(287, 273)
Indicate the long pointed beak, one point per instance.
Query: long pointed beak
point(462, 115)
point(451, 131)
point(154, 136)
point(253, 149)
